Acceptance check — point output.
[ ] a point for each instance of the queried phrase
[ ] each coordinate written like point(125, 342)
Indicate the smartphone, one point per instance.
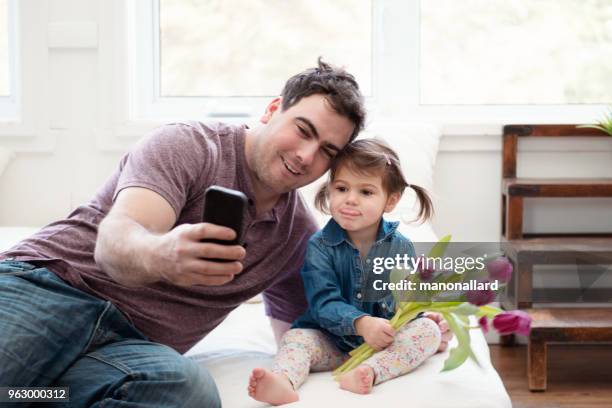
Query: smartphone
point(226, 207)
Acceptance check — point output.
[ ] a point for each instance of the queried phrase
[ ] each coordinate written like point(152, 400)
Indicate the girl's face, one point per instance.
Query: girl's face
point(357, 202)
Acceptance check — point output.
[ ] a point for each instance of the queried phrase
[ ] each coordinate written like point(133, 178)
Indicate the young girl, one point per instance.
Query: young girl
point(344, 309)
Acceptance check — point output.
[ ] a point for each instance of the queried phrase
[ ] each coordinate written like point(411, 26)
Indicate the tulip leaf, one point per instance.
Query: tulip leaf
point(465, 320)
point(440, 247)
point(465, 309)
point(459, 354)
point(396, 276)
point(456, 357)
point(489, 311)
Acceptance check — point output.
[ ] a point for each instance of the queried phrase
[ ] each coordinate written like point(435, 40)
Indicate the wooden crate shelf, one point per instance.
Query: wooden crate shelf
point(527, 253)
point(562, 325)
point(577, 324)
point(561, 187)
point(514, 189)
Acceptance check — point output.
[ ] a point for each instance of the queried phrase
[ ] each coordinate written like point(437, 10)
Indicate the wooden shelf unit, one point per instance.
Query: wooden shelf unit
point(552, 324)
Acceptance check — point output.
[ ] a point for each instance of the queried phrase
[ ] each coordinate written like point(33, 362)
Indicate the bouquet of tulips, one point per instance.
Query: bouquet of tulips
point(457, 313)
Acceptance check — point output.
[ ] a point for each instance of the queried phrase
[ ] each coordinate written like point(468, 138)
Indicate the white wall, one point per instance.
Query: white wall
point(74, 141)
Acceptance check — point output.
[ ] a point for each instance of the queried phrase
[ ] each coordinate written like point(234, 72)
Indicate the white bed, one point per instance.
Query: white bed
point(244, 341)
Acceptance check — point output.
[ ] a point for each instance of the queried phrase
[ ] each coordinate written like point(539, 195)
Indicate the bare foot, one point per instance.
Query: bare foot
point(358, 380)
point(273, 388)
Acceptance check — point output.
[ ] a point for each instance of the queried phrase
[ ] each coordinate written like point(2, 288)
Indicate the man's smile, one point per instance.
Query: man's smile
point(292, 169)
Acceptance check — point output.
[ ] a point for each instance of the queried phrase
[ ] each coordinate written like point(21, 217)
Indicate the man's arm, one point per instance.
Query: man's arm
point(136, 245)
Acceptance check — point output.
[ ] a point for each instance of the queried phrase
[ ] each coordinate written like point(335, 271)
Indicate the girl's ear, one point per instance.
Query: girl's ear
point(272, 107)
point(392, 201)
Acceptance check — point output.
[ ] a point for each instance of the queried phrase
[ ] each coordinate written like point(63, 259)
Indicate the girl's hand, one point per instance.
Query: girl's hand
point(376, 332)
point(447, 335)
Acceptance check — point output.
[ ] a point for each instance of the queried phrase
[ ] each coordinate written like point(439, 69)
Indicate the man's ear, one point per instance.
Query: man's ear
point(273, 106)
point(392, 201)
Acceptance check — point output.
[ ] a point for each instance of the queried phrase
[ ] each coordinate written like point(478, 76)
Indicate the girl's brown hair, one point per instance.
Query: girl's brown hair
point(374, 157)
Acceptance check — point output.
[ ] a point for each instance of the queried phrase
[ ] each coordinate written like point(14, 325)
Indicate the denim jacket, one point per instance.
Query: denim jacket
point(339, 284)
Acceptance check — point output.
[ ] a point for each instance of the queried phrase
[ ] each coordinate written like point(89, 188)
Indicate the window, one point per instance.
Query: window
point(244, 48)
point(8, 80)
point(4, 50)
point(227, 58)
point(524, 52)
point(474, 61)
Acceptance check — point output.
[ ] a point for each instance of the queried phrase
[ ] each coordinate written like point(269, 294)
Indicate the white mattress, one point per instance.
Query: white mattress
point(244, 341)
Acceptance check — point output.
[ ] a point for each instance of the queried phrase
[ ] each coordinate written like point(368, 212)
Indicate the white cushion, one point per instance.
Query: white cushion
point(415, 143)
point(417, 147)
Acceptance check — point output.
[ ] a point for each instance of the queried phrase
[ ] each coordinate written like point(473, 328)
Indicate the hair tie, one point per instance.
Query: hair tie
point(387, 159)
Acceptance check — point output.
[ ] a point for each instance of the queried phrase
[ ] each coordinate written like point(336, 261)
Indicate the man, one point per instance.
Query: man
point(106, 301)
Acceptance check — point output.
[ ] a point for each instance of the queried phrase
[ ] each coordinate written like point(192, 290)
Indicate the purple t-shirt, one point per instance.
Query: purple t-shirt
point(179, 161)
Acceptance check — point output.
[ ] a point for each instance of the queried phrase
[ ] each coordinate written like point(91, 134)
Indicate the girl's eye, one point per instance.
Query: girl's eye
point(367, 192)
point(341, 189)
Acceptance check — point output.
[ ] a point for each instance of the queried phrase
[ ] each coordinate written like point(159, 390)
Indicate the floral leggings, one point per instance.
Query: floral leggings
point(305, 350)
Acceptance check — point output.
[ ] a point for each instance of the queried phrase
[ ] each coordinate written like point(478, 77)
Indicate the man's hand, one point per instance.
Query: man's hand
point(137, 244)
point(447, 335)
point(183, 260)
point(376, 332)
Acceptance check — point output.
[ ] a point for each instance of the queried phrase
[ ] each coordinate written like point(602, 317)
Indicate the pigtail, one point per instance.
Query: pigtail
point(426, 210)
point(321, 200)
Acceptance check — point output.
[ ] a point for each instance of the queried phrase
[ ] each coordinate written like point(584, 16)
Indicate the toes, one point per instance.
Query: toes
point(366, 376)
point(257, 374)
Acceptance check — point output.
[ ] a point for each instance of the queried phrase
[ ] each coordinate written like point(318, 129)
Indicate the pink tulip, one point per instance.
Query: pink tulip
point(480, 297)
point(484, 324)
point(500, 269)
point(514, 321)
point(425, 273)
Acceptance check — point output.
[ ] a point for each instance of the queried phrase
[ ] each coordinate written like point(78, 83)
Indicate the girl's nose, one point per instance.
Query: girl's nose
point(351, 199)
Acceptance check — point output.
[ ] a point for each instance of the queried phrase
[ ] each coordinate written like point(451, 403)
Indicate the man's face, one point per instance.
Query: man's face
point(295, 147)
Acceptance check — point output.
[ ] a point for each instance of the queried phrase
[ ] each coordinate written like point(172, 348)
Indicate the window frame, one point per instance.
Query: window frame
point(395, 81)
point(10, 105)
point(29, 129)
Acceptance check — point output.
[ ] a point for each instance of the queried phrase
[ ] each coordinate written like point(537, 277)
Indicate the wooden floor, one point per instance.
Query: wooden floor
point(578, 376)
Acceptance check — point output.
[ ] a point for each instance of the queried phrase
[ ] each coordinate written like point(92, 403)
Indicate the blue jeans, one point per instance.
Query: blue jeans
point(52, 334)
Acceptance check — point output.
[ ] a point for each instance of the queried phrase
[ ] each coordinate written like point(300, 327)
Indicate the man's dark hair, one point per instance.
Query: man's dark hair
point(339, 87)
